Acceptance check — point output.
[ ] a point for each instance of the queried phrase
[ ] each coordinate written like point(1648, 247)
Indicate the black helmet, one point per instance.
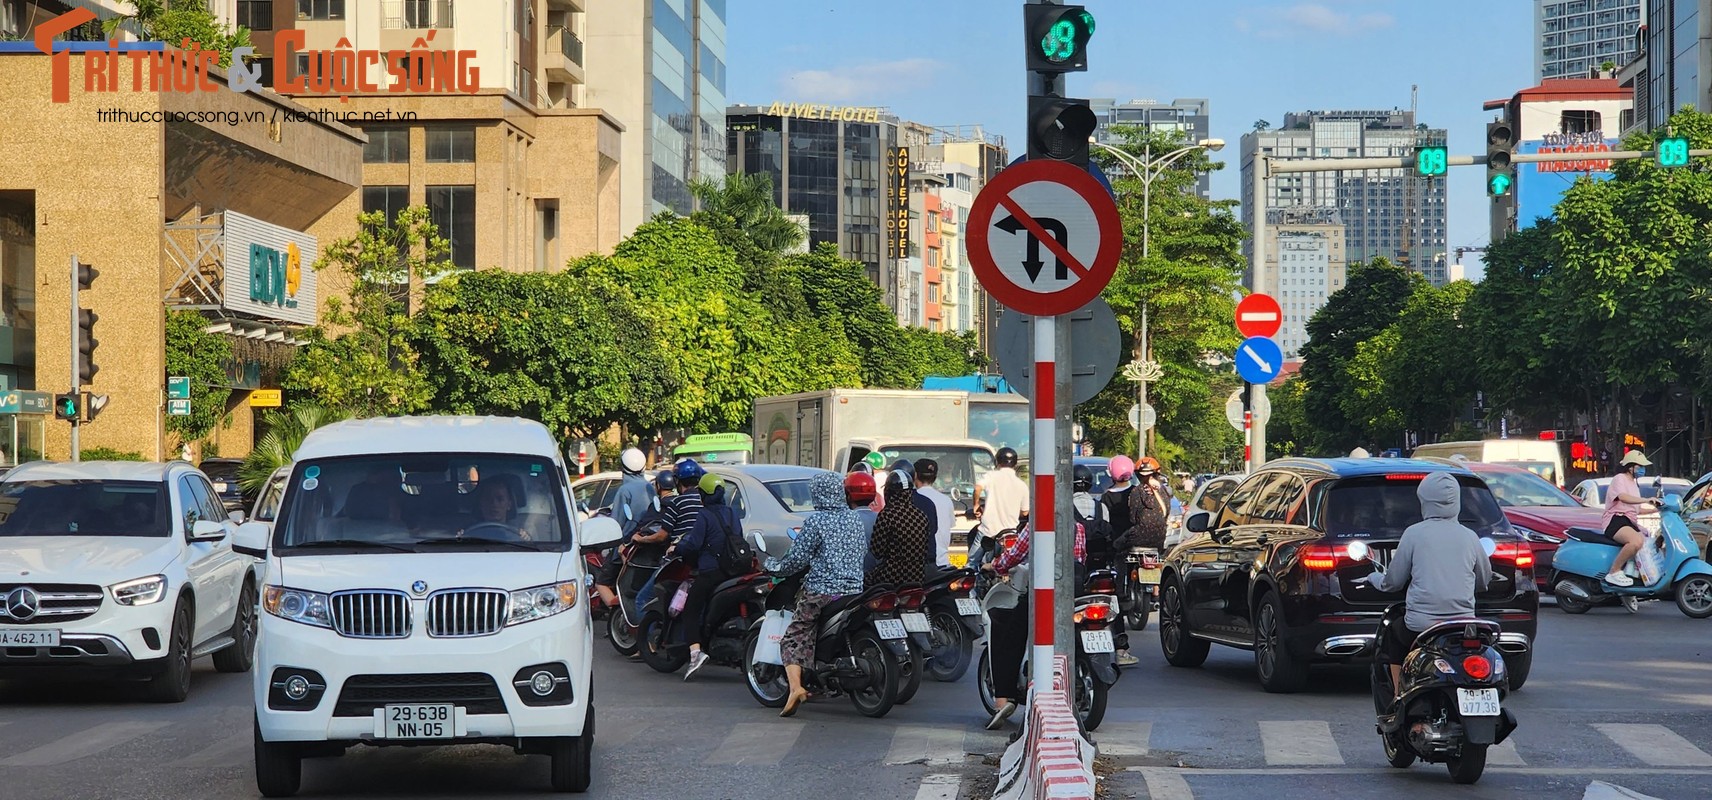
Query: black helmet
point(1081, 479)
point(1007, 457)
point(904, 466)
point(666, 481)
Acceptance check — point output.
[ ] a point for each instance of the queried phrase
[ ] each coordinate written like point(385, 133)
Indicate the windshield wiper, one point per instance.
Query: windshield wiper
point(352, 543)
point(478, 540)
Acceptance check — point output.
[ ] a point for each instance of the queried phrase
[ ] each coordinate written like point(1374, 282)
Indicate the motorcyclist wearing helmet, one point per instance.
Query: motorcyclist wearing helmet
point(635, 495)
point(1001, 499)
point(683, 508)
point(926, 474)
point(860, 491)
point(1116, 497)
point(923, 503)
point(900, 543)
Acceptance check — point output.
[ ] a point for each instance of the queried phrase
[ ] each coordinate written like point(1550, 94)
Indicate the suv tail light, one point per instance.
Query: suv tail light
point(1324, 557)
point(1517, 553)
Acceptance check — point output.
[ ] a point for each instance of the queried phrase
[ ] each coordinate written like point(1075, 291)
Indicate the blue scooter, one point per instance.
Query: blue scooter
point(1583, 560)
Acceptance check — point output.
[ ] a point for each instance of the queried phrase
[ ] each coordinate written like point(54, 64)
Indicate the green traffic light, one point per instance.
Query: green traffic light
point(1499, 185)
point(68, 408)
point(1673, 152)
point(1060, 42)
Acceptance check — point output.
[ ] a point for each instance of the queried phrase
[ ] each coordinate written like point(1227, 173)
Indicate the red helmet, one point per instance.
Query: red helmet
point(859, 488)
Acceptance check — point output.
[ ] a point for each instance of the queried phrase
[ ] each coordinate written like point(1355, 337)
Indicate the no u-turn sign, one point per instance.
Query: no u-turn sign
point(1044, 237)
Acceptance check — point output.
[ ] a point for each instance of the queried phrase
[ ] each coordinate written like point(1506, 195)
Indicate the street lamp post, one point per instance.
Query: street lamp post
point(1147, 170)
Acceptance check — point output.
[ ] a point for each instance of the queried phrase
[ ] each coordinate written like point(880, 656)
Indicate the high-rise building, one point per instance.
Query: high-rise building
point(1385, 212)
point(1186, 117)
point(659, 68)
point(1673, 51)
point(1576, 37)
point(1305, 265)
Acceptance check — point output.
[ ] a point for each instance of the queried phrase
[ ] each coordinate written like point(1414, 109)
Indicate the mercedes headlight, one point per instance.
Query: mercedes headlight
point(309, 608)
point(139, 592)
point(541, 602)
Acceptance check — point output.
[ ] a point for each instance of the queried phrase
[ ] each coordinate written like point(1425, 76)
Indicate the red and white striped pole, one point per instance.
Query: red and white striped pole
point(1043, 459)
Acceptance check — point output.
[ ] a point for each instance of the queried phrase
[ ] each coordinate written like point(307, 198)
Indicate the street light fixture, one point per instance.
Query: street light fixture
point(1146, 169)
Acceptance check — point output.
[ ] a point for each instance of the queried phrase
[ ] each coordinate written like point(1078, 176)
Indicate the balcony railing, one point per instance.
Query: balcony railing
point(416, 14)
point(569, 44)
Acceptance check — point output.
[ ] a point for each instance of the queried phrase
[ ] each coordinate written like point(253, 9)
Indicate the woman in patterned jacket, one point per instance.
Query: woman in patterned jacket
point(831, 544)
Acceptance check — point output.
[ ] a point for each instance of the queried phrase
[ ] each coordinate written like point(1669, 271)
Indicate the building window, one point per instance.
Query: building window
point(1580, 121)
point(387, 146)
point(547, 237)
point(390, 199)
point(933, 293)
point(418, 14)
point(452, 209)
point(265, 67)
point(451, 145)
point(320, 9)
point(257, 15)
point(933, 222)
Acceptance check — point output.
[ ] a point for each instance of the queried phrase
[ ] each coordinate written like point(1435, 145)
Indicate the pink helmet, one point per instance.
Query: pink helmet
point(1121, 468)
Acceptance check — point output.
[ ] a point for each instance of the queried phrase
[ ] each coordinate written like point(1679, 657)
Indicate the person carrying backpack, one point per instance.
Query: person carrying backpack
point(715, 546)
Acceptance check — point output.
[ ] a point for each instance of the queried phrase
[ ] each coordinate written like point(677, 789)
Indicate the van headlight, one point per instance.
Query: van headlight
point(139, 592)
point(541, 602)
point(309, 608)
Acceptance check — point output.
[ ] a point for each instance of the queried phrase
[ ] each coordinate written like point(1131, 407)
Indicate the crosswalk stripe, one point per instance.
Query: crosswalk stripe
point(1299, 742)
point(1164, 784)
point(1124, 739)
point(1505, 755)
point(939, 787)
point(222, 753)
point(933, 745)
point(83, 743)
point(1655, 745)
point(757, 743)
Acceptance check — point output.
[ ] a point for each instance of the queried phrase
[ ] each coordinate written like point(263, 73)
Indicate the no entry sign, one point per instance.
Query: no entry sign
point(1259, 315)
point(1044, 237)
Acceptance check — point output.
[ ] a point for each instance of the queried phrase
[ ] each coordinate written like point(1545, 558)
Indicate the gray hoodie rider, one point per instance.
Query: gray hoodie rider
point(1439, 559)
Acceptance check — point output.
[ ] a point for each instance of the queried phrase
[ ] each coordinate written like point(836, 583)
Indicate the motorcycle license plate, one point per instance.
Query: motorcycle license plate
point(1477, 702)
point(1097, 641)
point(968, 606)
point(890, 628)
point(916, 623)
point(1150, 575)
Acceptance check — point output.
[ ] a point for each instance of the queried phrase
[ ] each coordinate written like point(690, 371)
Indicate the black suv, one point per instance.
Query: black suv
point(224, 473)
point(1270, 571)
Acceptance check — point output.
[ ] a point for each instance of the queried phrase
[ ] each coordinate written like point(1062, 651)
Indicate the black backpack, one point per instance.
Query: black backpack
point(736, 557)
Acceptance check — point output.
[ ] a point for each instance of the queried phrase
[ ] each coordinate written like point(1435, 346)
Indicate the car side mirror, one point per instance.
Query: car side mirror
point(237, 517)
point(1198, 522)
point(207, 530)
point(252, 539)
point(599, 533)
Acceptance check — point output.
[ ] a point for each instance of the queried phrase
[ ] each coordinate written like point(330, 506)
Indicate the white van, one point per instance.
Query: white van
point(424, 587)
point(1541, 457)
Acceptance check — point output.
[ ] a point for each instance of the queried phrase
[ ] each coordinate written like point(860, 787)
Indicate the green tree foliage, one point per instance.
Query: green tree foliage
point(575, 353)
point(840, 293)
point(365, 360)
point(1341, 413)
point(1428, 378)
point(109, 454)
point(201, 357)
point(176, 21)
point(286, 429)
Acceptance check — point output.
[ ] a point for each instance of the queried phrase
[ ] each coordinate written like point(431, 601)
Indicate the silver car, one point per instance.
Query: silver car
point(771, 499)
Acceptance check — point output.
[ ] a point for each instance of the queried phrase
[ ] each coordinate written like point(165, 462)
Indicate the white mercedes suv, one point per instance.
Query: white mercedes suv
point(425, 586)
point(121, 569)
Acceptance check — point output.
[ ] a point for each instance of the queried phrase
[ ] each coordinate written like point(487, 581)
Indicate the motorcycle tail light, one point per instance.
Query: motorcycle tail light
point(1102, 584)
point(961, 584)
point(1477, 667)
point(884, 602)
point(912, 598)
point(1149, 562)
point(1097, 612)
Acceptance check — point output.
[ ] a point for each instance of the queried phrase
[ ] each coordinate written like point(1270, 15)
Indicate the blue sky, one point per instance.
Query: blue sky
point(959, 62)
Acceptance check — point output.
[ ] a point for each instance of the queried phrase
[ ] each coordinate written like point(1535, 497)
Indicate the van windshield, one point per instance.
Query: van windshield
point(1382, 506)
point(424, 502)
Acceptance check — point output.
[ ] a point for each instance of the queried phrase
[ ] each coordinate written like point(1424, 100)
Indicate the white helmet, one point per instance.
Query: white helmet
point(633, 460)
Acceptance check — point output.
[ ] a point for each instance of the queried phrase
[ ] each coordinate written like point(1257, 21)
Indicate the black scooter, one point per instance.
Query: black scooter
point(1452, 705)
point(954, 614)
point(858, 643)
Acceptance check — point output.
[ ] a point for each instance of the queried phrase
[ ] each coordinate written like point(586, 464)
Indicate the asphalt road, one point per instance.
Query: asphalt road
point(1613, 697)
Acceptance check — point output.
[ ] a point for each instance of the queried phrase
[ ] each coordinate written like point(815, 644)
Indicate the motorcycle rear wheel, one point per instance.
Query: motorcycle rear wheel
point(1570, 605)
point(1398, 754)
point(951, 658)
point(882, 668)
point(1467, 768)
point(766, 682)
point(622, 634)
point(910, 668)
point(656, 651)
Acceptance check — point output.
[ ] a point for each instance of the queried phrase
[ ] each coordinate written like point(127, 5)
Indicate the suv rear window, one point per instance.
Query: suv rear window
point(1381, 506)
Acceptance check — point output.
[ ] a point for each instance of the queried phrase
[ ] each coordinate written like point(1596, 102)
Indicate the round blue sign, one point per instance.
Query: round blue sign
point(1259, 359)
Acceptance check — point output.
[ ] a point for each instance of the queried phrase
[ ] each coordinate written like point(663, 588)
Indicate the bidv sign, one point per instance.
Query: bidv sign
point(269, 270)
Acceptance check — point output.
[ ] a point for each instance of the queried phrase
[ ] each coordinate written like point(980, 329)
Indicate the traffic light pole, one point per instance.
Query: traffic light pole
point(75, 351)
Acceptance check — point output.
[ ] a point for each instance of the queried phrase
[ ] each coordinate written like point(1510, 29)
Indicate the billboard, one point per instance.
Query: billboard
point(269, 270)
point(897, 203)
point(1540, 186)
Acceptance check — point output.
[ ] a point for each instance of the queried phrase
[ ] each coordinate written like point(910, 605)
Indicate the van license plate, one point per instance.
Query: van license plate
point(968, 607)
point(1477, 702)
point(29, 637)
point(418, 721)
point(916, 623)
point(1097, 641)
point(890, 628)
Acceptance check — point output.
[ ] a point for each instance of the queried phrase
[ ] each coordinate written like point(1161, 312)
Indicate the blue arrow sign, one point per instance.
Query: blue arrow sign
point(1258, 359)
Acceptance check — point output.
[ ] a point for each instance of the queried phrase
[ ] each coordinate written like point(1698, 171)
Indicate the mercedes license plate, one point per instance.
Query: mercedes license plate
point(968, 606)
point(1477, 702)
point(1097, 641)
point(916, 623)
point(890, 628)
point(417, 721)
point(29, 637)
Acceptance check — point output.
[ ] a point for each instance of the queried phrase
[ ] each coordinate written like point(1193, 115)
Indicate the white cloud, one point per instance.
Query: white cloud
point(874, 81)
point(1316, 18)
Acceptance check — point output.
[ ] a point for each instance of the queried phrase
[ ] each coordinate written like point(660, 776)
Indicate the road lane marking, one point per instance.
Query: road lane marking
point(934, 745)
point(223, 753)
point(939, 787)
point(1655, 744)
point(1505, 755)
point(82, 744)
point(1322, 771)
point(757, 743)
point(1165, 784)
point(1299, 742)
point(1124, 739)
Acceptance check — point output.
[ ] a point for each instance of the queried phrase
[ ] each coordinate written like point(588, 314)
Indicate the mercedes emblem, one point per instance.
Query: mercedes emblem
point(23, 603)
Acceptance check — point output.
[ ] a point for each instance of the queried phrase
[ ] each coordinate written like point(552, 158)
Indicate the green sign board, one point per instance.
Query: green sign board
point(24, 402)
point(178, 408)
point(178, 389)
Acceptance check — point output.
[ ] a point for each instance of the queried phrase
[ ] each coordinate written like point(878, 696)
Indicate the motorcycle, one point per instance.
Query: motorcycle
point(1140, 577)
point(955, 618)
point(639, 563)
point(1583, 560)
point(734, 605)
point(1454, 683)
point(918, 639)
point(858, 642)
point(1096, 665)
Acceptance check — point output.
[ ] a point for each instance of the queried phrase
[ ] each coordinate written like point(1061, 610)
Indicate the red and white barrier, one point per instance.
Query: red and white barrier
point(1049, 758)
